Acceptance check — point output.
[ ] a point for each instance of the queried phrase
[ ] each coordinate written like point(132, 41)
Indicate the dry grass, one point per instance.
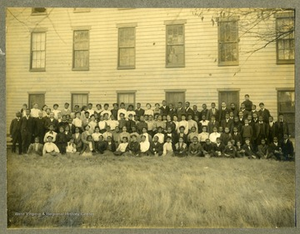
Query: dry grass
point(150, 192)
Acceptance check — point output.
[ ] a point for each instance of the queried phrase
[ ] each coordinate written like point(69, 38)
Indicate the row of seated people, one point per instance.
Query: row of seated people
point(23, 130)
point(161, 144)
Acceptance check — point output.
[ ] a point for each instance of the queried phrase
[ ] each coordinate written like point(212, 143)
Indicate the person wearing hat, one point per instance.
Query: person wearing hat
point(50, 148)
point(265, 113)
point(51, 132)
point(249, 151)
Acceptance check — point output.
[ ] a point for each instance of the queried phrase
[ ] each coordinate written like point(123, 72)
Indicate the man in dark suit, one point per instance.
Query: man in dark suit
point(222, 112)
point(287, 148)
point(139, 111)
point(282, 128)
point(172, 110)
point(39, 126)
point(164, 109)
point(196, 112)
point(51, 121)
point(261, 131)
point(213, 111)
point(265, 113)
point(188, 110)
point(15, 133)
point(180, 111)
point(247, 103)
point(27, 125)
point(273, 129)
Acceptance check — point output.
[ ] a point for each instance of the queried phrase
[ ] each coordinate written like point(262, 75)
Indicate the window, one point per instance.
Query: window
point(175, 45)
point(126, 48)
point(80, 99)
point(39, 11)
point(228, 42)
point(81, 10)
point(286, 106)
point(38, 51)
point(285, 42)
point(128, 97)
point(38, 98)
point(81, 50)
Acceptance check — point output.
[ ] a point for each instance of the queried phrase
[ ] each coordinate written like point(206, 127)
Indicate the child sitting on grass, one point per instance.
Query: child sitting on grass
point(110, 144)
point(88, 147)
point(156, 148)
point(262, 151)
point(35, 148)
point(168, 147)
point(71, 147)
point(123, 147)
point(229, 150)
point(101, 145)
point(208, 148)
point(240, 152)
point(50, 148)
point(144, 146)
point(133, 146)
point(180, 148)
point(195, 148)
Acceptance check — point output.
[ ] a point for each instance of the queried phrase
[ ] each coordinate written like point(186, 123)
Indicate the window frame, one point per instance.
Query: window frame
point(221, 20)
point(31, 69)
point(123, 26)
point(278, 16)
point(81, 10)
point(126, 92)
point(78, 93)
point(170, 24)
point(38, 13)
point(73, 57)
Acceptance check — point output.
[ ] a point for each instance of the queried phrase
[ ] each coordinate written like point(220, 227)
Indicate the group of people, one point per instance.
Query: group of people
point(163, 130)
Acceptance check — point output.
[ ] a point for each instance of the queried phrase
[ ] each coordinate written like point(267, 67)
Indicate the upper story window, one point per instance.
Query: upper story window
point(285, 35)
point(126, 46)
point(39, 11)
point(228, 42)
point(81, 50)
point(175, 45)
point(38, 51)
point(82, 10)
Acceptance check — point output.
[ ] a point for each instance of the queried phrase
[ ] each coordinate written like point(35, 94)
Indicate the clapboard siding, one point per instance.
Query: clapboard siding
point(201, 77)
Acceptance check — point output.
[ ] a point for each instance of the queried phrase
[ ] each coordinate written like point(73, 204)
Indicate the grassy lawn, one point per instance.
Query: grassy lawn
point(109, 191)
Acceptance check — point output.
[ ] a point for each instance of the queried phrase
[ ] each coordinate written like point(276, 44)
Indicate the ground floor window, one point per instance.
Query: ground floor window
point(38, 98)
point(173, 97)
point(286, 106)
point(231, 96)
point(128, 97)
point(80, 99)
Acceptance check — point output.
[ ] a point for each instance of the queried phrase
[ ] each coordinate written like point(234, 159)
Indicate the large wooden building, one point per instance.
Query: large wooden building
point(98, 55)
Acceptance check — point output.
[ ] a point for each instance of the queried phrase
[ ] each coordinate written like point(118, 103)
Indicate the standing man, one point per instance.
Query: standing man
point(265, 113)
point(248, 103)
point(27, 125)
point(189, 110)
point(139, 111)
point(223, 111)
point(164, 109)
point(180, 110)
point(213, 111)
point(15, 132)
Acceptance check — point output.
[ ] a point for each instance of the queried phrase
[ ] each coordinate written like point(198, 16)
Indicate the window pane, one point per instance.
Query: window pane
point(126, 37)
point(81, 40)
point(79, 99)
point(81, 59)
point(175, 55)
point(286, 101)
point(175, 34)
point(38, 46)
point(229, 52)
point(127, 57)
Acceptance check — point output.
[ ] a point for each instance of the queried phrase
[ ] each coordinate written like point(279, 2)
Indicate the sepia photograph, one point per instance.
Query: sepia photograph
point(150, 117)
